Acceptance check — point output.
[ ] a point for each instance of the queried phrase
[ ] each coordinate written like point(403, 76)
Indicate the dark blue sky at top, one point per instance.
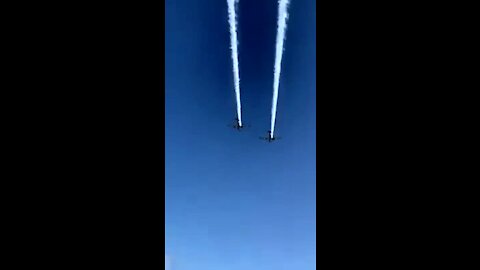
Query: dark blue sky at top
point(232, 200)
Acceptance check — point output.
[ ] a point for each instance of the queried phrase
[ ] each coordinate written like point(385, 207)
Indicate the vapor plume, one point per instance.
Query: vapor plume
point(233, 46)
point(281, 27)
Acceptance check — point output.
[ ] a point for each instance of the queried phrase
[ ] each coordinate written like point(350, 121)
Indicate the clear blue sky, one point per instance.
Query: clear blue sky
point(232, 200)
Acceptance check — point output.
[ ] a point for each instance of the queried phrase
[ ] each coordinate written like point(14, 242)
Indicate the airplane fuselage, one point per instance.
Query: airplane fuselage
point(270, 138)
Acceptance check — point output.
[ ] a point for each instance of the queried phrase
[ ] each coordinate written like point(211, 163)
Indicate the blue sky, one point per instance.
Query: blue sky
point(232, 200)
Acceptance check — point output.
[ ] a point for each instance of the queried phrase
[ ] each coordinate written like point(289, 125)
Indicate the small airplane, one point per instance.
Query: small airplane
point(270, 138)
point(237, 125)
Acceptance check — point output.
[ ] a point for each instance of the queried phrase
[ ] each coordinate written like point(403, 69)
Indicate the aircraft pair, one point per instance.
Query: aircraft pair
point(239, 127)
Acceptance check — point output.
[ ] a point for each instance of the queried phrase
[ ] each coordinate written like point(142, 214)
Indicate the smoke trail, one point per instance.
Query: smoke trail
point(281, 26)
point(233, 46)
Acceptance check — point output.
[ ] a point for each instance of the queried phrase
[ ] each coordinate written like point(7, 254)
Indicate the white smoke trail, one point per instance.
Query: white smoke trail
point(281, 27)
point(233, 46)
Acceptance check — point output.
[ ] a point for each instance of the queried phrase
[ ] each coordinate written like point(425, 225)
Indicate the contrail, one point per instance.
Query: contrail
point(233, 46)
point(281, 27)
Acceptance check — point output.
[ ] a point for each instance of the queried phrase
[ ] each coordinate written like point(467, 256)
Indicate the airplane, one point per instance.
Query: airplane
point(237, 125)
point(270, 138)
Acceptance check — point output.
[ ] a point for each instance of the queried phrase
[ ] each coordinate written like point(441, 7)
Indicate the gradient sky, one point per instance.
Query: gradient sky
point(232, 200)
